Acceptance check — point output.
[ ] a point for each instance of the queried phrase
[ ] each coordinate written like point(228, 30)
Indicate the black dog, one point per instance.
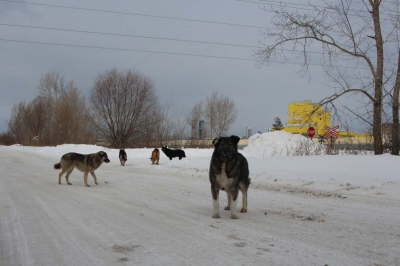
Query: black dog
point(122, 156)
point(229, 171)
point(173, 153)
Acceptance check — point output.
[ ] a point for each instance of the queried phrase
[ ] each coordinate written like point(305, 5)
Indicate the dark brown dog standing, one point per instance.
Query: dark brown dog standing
point(87, 163)
point(229, 171)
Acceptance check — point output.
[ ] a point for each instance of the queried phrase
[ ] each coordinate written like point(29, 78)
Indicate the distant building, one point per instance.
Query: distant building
point(300, 118)
point(249, 132)
point(198, 131)
point(302, 115)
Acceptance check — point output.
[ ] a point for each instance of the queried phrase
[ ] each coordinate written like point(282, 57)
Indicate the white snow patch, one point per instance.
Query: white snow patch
point(278, 143)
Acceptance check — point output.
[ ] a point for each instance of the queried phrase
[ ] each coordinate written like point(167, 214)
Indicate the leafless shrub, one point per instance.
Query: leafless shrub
point(196, 143)
point(7, 139)
point(303, 147)
point(16, 123)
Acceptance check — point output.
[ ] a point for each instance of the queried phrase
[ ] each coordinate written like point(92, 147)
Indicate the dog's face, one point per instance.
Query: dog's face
point(226, 146)
point(163, 148)
point(103, 156)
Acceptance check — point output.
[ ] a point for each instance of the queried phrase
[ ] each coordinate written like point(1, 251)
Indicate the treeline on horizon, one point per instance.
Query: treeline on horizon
point(122, 110)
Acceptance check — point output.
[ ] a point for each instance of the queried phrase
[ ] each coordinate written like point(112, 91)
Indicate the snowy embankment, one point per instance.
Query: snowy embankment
point(308, 210)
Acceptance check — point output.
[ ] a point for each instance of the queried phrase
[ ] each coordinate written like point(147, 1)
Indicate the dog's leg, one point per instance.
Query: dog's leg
point(60, 175)
point(215, 194)
point(94, 176)
point(67, 176)
point(243, 188)
point(235, 194)
point(227, 208)
point(85, 174)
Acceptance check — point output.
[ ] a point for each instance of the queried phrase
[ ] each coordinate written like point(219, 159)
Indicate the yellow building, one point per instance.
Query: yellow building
point(302, 115)
point(300, 118)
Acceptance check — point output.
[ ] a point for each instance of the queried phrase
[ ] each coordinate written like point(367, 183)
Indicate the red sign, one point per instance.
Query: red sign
point(331, 132)
point(311, 132)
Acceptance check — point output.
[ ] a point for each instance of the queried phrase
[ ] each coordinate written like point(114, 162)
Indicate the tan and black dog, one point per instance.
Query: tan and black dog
point(122, 156)
point(87, 163)
point(155, 156)
point(229, 171)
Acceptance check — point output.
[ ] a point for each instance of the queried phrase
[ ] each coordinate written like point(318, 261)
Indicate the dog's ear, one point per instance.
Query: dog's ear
point(215, 141)
point(235, 139)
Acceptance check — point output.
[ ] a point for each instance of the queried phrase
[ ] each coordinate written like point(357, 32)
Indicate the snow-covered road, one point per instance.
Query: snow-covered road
point(161, 215)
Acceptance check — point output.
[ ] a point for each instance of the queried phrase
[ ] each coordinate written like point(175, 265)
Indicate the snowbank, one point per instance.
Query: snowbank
point(280, 143)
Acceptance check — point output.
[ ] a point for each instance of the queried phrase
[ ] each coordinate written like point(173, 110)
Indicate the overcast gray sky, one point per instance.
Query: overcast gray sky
point(260, 94)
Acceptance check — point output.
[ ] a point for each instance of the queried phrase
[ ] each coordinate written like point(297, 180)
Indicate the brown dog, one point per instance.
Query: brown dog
point(155, 156)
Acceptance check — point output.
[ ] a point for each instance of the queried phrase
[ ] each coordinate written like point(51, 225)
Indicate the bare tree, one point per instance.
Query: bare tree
point(395, 110)
point(57, 115)
point(163, 129)
point(35, 118)
point(195, 113)
point(396, 89)
point(220, 113)
point(123, 107)
point(67, 117)
point(345, 32)
point(16, 123)
point(193, 118)
point(210, 111)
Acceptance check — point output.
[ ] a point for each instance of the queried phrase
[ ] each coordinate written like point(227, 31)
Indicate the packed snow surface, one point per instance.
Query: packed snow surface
point(308, 210)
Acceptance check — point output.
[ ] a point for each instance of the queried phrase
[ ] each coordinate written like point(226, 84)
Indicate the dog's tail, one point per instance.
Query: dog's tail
point(57, 166)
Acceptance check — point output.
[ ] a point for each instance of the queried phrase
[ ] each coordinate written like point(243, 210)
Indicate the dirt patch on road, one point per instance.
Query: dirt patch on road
point(287, 188)
point(125, 248)
point(313, 217)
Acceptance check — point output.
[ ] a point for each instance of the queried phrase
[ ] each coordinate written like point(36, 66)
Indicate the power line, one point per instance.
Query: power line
point(308, 5)
point(144, 15)
point(153, 16)
point(263, 2)
point(149, 37)
point(135, 14)
point(158, 52)
point(128, 35)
